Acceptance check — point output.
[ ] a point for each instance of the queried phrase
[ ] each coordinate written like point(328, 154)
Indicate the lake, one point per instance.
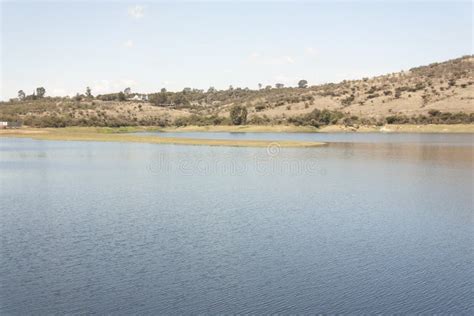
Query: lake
point(371, 223)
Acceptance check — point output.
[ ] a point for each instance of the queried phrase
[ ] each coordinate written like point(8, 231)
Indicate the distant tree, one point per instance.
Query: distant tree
point(302, 83)
point(40, 92)
point(238, 115)
point(159, 99)
point(163, 90)
point(268, 87)
point(259, 86)
point(211, 90)
point(180, 99)
point(187, 90)
point(127, 91)
point(121, 96)
point(89, 92)
point(21, 95)
point(78, 97)
point(279, 85)
point(231, 88)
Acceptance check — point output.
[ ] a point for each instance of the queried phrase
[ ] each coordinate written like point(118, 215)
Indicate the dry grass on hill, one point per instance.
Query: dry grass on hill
point(446, 86)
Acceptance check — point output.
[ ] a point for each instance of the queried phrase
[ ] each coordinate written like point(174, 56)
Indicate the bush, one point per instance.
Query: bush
point(372, 96)
point(238, 115)
point(434, 112)
point(258, 120)
point(347, 101)
point(200, 120)
point(397, 119)
point(317, 118)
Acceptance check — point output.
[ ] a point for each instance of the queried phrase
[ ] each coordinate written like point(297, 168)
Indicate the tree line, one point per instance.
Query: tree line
point(162, 98)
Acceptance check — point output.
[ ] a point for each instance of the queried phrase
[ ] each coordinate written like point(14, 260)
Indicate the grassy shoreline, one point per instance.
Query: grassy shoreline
point(122, 135)
point(125, 134)
point(395, 128)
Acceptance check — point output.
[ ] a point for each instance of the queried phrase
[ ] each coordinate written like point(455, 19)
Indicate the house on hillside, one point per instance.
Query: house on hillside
point(139, 97)
point(9, 124)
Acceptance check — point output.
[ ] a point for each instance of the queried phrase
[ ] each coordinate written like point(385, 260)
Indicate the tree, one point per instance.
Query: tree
point(127, 91)
point(21, 95)
point(187, 90)
point(163, 90)
point(279, 85)
point(238, 115)
point(121, 96)
point(159, 99)
point(180, 99)
point(259, 86)
point(302, 83)
point(231, 88)
point(89, 92)
point(211, 90)
point(40, 92)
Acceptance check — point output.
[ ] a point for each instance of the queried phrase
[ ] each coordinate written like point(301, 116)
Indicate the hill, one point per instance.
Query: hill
point(436, 93)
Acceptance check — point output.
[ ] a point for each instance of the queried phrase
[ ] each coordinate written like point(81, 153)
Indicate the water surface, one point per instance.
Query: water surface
point(369, 224)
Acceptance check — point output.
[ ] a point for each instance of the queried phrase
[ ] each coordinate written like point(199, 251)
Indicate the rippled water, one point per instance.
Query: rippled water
point(370, 224)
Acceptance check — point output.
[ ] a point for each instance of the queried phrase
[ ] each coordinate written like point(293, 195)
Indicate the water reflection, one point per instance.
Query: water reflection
point(350, 228)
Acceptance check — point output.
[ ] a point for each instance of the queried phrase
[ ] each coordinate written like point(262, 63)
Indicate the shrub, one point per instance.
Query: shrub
point(434, 112)
point(238, 115)
point(372, 96)
point(317, 118)
point(347, 101)
point(258, 120)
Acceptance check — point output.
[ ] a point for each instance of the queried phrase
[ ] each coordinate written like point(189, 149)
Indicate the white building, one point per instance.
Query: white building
point(139, 97)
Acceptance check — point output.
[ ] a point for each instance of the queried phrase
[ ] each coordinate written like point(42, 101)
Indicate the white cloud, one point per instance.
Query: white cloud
point(270, 60)
point(128, 44)
point(311, 51)
point(136, 12)
point(289, 60)
point(254, 55)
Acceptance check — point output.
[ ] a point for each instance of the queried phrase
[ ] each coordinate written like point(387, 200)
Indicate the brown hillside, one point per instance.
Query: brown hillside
point(446, 86)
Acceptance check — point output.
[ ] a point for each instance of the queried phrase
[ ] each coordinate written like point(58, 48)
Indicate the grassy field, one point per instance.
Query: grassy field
point(122, 135)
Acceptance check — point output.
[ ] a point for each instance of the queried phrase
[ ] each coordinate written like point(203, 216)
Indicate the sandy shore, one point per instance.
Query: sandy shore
point(124, 134)
point(118, 135)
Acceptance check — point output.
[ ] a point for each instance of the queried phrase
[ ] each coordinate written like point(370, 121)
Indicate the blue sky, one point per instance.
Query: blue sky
point(66, 46)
